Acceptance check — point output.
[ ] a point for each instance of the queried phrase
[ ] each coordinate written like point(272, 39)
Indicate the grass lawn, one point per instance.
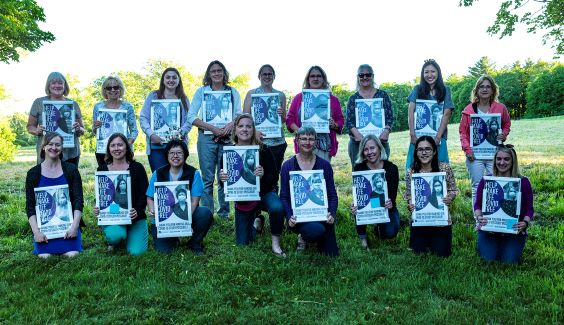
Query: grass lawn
point(233, 284)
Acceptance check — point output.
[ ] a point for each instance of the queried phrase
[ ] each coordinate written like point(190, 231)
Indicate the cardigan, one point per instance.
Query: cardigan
point(464, 127)
point(392, 177)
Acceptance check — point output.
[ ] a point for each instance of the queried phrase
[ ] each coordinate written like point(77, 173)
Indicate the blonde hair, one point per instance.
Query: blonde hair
point(474, 98)
point(56, 76)
point(254, 139)
point(364, 141)
point(508, 149)
point(117, 80)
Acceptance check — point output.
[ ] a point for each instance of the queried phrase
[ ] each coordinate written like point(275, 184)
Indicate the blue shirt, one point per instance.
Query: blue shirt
point(197, 185)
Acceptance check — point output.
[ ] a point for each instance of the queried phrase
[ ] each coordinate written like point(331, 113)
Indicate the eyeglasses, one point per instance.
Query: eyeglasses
point(267, 74)
point(425, 150)
point(176, 153)
point(216, 71)
point(306, 139)
point(485, 87)
point(315, 76)
point(110, 88)
point(365, 75)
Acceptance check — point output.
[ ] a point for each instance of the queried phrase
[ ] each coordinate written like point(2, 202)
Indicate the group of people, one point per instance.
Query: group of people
point(313, 151)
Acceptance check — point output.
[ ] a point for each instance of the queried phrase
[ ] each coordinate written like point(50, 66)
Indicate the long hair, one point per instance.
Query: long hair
point(416, 165)
point(474, 98)
point(128, 151)
point(254, 139)
point(508, 149)
point(179, 91)
point(207, 77)
point(425, 89)
point(325, 84)
point(360, 158)
point(46, 139)
point(265, 66)
point(369, 68)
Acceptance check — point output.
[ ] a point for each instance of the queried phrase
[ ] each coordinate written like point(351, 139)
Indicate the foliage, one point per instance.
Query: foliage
point(545, 94)
point(546, 15)
point(398, 93)
point(18, 125)
point(19, 29)
point(512, 86)
point(7, 147)
point(484, 66)
point(3, 93)
point(461, 89)
point(342, 93)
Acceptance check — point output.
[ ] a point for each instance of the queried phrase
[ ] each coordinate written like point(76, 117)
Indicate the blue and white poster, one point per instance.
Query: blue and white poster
point(308, 194)
point(113, 121)
point(53, 210)
point(501, 203)
point(173, 209)
point(165, 118)
point(217, 108)
point(264, 109)
point(428, 117)
point(427, 193)
point(484, 129)
point(316, 109)
point(59, 117)
point(370, 192)
point(370, 116)
point(239, 162)
point(113, 197)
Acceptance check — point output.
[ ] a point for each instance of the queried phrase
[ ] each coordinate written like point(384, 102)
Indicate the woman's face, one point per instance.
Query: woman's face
point(216, 74)
point(266, 77)
point(224, 103)
point(494, 126)
point(56, 88)
point(176, 157)
point(512, 193)
point(250, 161)
point(61, 199)
point(112, 90)
point(430, 74)
point(181, 197)
point(117, 148)
point(171, 80)
point(503, 162)
point(122, 186)
point(53, 148)
point(244, 130)
point(485, 90)
point(316, 79)
point(365, 78)
point(306, 142)
point(425, 152)
point(379, 183)
point(438, 187)
point(371, 152)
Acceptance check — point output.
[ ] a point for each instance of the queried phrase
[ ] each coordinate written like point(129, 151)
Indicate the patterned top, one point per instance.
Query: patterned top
point(351, 111)
point(130, 117)
point(270, 142)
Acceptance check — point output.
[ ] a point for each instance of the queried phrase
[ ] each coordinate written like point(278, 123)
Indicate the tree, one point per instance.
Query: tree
point(548, 15)
point(482, 67)
point(545, 94)
point(18, 124)
point(7, 147)
point(19, 30)
point(398, 95)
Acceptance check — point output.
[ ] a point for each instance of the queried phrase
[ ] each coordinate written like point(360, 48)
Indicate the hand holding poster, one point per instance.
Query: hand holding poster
point(239, 162)
point(370, 192)
point(308, 194)
point(428, 117)
point(217, 108)
point(427, 193)
point(264, 109)
point(316, 109)
point(59, 117)
point(484, 129)
point(501, 203)
point(173, 209)
point(53, 210)
point(165, 118)
point(113, 121)
point(113, 197)
point(370, 116)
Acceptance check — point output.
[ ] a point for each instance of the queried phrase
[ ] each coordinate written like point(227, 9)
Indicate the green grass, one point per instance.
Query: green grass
point(233, 284)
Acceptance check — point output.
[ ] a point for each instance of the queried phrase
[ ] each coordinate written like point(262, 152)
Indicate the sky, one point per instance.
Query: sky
point(98, 37)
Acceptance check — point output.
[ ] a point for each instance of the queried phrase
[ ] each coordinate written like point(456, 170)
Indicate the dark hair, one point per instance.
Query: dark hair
point(207, 77)
point(267, 66)
point(425, 89)
point(177, 143)
point(46, 139)
point(180, 189)
point(128, 151)
point(416, 164)
point(179, 92)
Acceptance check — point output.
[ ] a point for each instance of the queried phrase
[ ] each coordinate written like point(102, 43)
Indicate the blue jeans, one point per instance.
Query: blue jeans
point(136, 236)
point(477, 169)
point(157, 159)
point(506, 248)
point(321, 233)
point(386, 230)
point(209, 156)
point(202, 220)
point(353, 149)
point(443, 153)
point(245, 231)
point(436, 240)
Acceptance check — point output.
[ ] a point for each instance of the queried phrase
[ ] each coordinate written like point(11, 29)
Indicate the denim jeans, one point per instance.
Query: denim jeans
point(437, 240)
point(136, 236)
point(321, 233)
point(209, 156)
point(506, 248)
point(245, 231)
point(157, 159)
point(353, 149)
point(202, 220)
point(477, 169)
point(386, 230)
point(443, 153)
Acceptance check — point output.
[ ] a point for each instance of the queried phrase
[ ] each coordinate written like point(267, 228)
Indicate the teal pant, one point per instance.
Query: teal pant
point(136, 236)
point(443, 154)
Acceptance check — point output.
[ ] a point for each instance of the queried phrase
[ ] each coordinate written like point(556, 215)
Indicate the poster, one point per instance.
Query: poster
point(427, 193)
point(308, 193)
point(165, 118)
point(173, 209)
point(217, 108)
point(428, 117)
point(53, 210)
point(59, 117)
point(316, 109)
point(113, 121)
point(370, 192)
point(239, 162)
point(264, 109)
point(370, 116)
point(113, 197)
point(484, 129)
point(501, 203)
